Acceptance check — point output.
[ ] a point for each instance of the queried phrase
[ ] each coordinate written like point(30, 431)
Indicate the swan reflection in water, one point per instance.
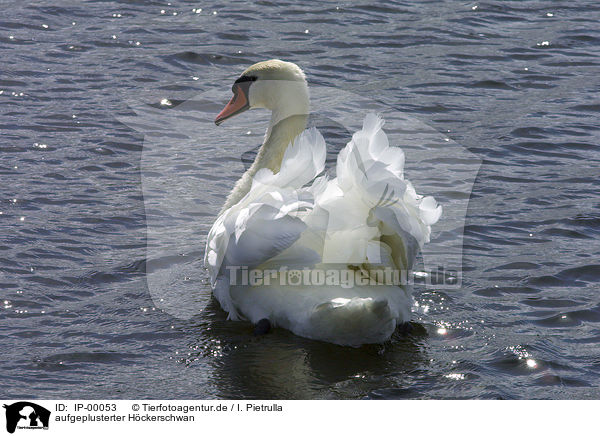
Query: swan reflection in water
point(282, 365)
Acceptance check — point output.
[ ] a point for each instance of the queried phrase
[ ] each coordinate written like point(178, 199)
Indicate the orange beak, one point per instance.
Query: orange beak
point(237, 104)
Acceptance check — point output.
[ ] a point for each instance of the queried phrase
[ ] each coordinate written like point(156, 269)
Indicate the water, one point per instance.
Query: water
point(516, 83)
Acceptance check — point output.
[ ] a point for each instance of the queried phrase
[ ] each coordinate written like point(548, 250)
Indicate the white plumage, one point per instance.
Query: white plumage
point(284, 217)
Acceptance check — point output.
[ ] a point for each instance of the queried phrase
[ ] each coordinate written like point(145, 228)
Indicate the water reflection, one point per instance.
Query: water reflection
point(280, 365)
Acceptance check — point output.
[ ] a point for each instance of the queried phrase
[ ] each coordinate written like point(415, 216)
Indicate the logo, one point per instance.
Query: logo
point(26, 415)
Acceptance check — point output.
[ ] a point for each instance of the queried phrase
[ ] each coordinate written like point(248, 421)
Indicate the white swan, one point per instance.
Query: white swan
point(318, 257)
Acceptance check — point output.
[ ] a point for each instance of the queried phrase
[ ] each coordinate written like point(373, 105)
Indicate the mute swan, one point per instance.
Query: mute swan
point(312, 255)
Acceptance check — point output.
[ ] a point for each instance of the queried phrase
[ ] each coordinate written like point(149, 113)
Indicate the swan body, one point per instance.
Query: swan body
point(309, 254)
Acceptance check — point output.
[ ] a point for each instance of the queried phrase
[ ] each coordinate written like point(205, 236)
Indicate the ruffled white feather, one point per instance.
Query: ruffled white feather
point(367, 217)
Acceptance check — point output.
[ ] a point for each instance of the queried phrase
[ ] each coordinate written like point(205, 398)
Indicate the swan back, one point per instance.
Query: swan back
point(366, 219)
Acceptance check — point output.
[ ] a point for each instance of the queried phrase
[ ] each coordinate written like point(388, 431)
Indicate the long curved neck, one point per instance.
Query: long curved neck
point(278, 136)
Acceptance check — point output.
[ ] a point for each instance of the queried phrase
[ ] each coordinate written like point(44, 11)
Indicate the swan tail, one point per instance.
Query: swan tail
point(353, 321)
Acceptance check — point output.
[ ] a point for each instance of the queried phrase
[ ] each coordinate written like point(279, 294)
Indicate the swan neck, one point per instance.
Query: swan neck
point(279, 135)
point(277, 138)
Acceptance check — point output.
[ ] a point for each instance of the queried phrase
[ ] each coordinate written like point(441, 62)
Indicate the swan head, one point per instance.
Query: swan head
point(276, 85)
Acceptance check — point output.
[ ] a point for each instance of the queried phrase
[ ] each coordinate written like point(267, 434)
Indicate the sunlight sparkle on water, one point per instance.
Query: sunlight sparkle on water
point(455, 376)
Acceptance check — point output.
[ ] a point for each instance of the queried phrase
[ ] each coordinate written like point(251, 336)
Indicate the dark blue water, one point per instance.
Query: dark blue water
point(515, 83)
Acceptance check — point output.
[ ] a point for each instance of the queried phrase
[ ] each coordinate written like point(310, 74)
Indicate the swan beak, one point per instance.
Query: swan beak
point(237, 104)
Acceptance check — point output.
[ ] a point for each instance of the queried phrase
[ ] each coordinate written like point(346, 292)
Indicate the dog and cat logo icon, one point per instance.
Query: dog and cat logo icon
point(26, 415)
